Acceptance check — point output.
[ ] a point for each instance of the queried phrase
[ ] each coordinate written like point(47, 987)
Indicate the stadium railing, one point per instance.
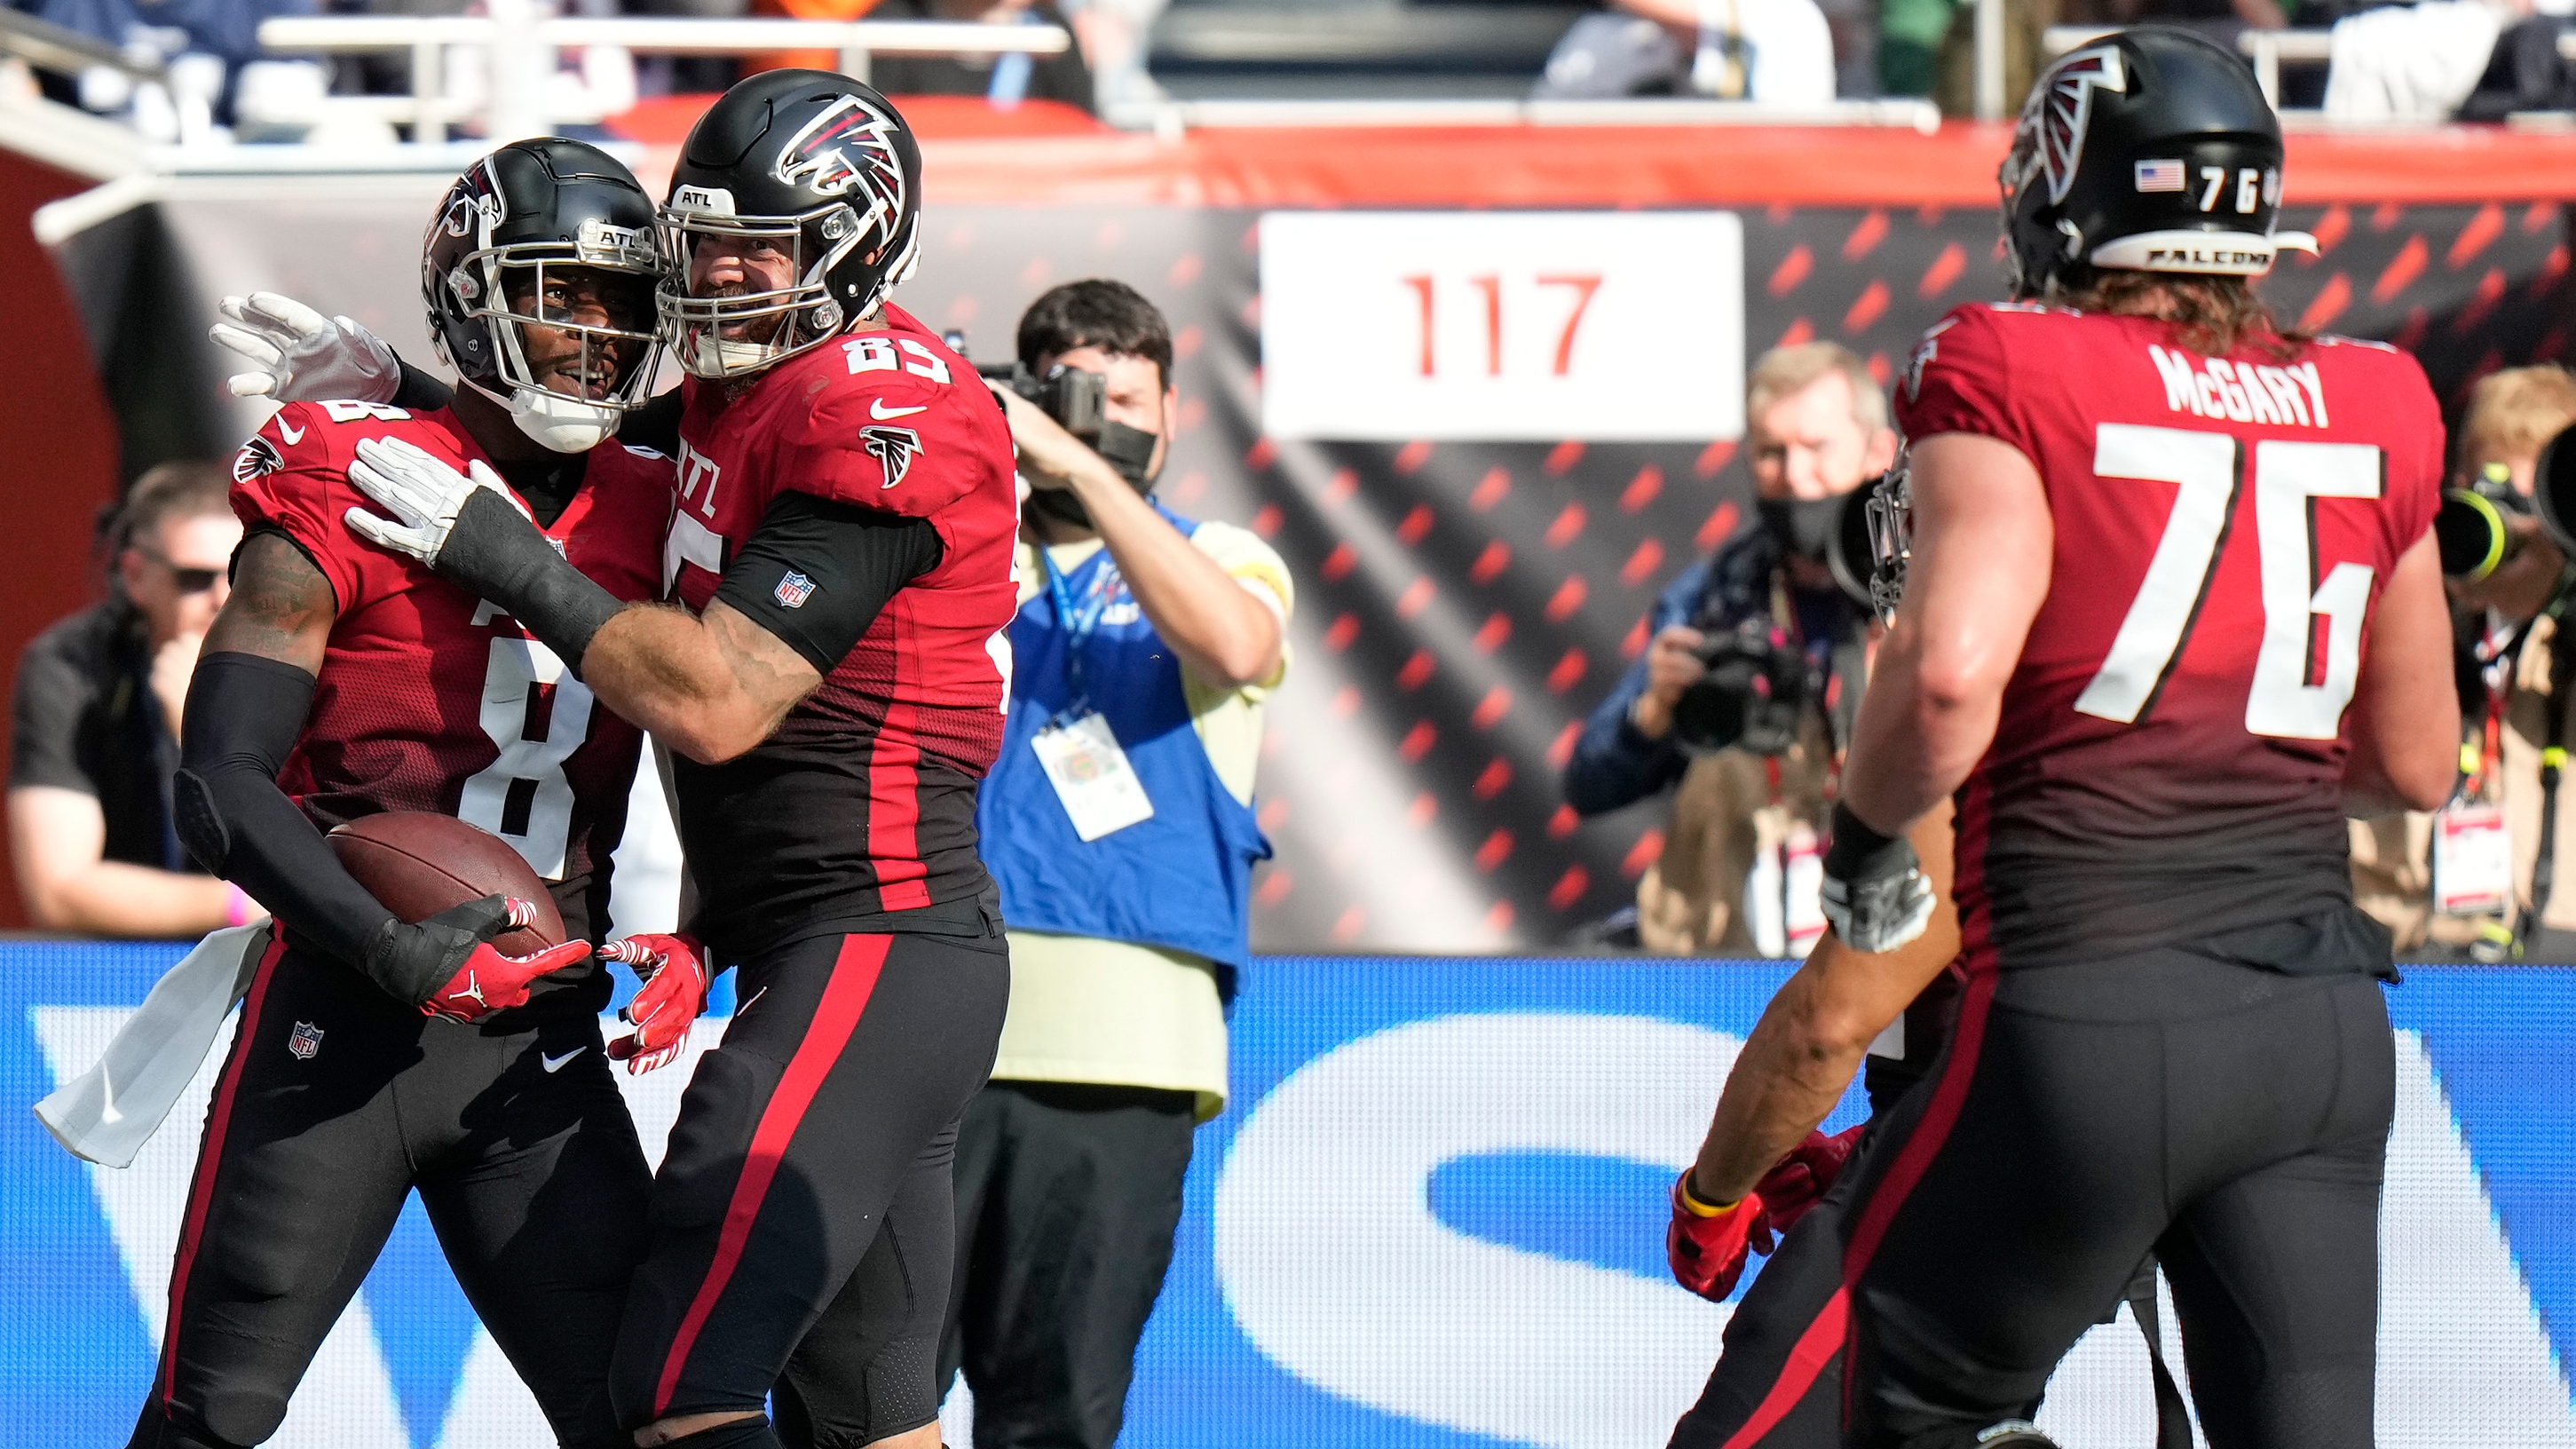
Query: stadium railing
point(2267, 49)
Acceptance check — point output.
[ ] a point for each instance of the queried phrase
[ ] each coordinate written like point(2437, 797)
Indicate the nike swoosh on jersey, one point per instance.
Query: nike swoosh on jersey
point(879, 411)
point(552, 1064)
point(292, 436)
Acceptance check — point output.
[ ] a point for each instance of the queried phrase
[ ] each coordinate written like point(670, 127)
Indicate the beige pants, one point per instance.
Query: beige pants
point(1691, 901)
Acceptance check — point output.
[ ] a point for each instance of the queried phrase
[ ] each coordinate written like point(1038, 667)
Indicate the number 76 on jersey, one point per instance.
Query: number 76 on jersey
point(1500, 326)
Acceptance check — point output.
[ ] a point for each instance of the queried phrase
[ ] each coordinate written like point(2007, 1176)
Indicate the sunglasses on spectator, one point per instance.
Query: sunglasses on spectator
point(188, 581)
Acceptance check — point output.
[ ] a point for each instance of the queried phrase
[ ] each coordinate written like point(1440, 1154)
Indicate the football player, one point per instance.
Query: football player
point(341, 680)
point(2170, 601)
point(834, 681)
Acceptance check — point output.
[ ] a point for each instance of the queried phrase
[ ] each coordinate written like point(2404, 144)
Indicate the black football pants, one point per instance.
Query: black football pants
point(2233, 1121)
point(803, 1225)
point(335, 1102)
point(1067, 1198)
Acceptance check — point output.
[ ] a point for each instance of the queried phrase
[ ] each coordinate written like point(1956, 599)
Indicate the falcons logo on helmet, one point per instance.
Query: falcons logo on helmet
point(846, 148)
point(2050, 139)
point(893, 448)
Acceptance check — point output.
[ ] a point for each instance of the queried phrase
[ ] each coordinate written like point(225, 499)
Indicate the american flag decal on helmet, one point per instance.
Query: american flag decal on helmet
point(2050, 138)
point(846, 149)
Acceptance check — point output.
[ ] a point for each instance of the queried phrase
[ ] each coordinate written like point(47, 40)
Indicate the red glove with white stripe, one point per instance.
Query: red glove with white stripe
point(1707, 1246)
point(674, 970)
point(488, 981)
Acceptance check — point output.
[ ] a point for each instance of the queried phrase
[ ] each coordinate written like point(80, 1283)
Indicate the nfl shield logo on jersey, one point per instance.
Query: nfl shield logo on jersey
point(306, 1040)
point(793, 590)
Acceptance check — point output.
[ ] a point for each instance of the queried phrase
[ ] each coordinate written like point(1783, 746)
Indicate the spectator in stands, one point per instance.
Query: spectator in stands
point(99, 699)
point(1751, 811)
point(2514, 691)
point(1005, 80)
point(1119, 827)
point(204, 43)
point(1776, 51)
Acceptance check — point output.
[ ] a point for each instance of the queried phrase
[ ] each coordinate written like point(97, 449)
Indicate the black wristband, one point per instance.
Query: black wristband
point(419, 391)
point(1855, 846)
point(496, 553)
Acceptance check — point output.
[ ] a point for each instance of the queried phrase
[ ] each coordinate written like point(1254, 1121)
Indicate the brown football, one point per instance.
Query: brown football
point(419, 863)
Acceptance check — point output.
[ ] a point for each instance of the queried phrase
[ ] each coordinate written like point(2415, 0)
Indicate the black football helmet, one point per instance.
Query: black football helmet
point(822, 167)
point(525, 208)
point(2151, 150)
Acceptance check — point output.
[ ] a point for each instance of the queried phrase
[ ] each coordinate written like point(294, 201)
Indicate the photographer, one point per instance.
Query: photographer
point(98, 708)
point(1118, 823)
point(1756, 657)
point(2469, 878)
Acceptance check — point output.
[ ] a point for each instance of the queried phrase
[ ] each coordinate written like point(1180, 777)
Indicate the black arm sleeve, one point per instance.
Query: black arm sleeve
point(243, 716)
point(816, 572)
point(496, 553)
point(419, 391)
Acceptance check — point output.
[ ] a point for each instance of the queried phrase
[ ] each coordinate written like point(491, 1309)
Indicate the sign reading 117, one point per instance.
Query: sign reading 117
point(1580, 286)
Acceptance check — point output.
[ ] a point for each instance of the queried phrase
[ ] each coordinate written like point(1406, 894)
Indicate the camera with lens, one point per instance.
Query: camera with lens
point(2473, 529)
point(1755, 693)
point(1079, 402)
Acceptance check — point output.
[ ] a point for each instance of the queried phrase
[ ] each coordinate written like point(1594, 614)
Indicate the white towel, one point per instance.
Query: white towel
point(107, 1113)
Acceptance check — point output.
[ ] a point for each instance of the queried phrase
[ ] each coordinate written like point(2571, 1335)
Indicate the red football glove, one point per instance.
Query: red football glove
point(674, 969)
point(1707, 1251)
point(1805, 1175)
point(490, 982)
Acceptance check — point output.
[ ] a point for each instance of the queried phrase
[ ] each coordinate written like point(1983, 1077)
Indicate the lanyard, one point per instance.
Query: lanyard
point(1078, 627)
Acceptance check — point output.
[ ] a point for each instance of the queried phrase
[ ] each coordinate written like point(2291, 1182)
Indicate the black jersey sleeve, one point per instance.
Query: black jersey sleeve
point(655, 425)
point(816, 572)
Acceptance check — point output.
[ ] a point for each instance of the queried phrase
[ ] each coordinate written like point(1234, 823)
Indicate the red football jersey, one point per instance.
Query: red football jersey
point(429, 699)
point(863, 801)
point(2169, 759)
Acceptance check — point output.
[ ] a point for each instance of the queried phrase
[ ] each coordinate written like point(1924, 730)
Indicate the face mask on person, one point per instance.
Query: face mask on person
point(1802, 527)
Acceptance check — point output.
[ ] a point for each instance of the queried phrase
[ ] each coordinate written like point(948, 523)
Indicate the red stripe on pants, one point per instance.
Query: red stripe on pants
point(210, 1156)
point(1814, 1349)
point(845, 999)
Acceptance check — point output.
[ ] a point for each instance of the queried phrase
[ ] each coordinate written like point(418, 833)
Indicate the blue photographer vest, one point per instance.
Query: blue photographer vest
point(1181, 879)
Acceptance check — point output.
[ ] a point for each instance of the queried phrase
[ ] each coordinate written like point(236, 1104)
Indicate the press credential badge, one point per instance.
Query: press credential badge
point(2472, 861)
point(1091, 776)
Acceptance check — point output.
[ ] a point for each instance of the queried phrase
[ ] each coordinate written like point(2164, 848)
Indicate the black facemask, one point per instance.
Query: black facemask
point(1802, 527)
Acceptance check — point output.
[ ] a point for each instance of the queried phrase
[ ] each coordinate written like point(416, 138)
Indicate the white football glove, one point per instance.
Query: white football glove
point(301, 355)
point(423, 493)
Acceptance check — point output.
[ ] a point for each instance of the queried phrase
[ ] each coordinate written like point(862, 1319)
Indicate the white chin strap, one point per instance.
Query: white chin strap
point(564, 424)
point(2212, 253)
